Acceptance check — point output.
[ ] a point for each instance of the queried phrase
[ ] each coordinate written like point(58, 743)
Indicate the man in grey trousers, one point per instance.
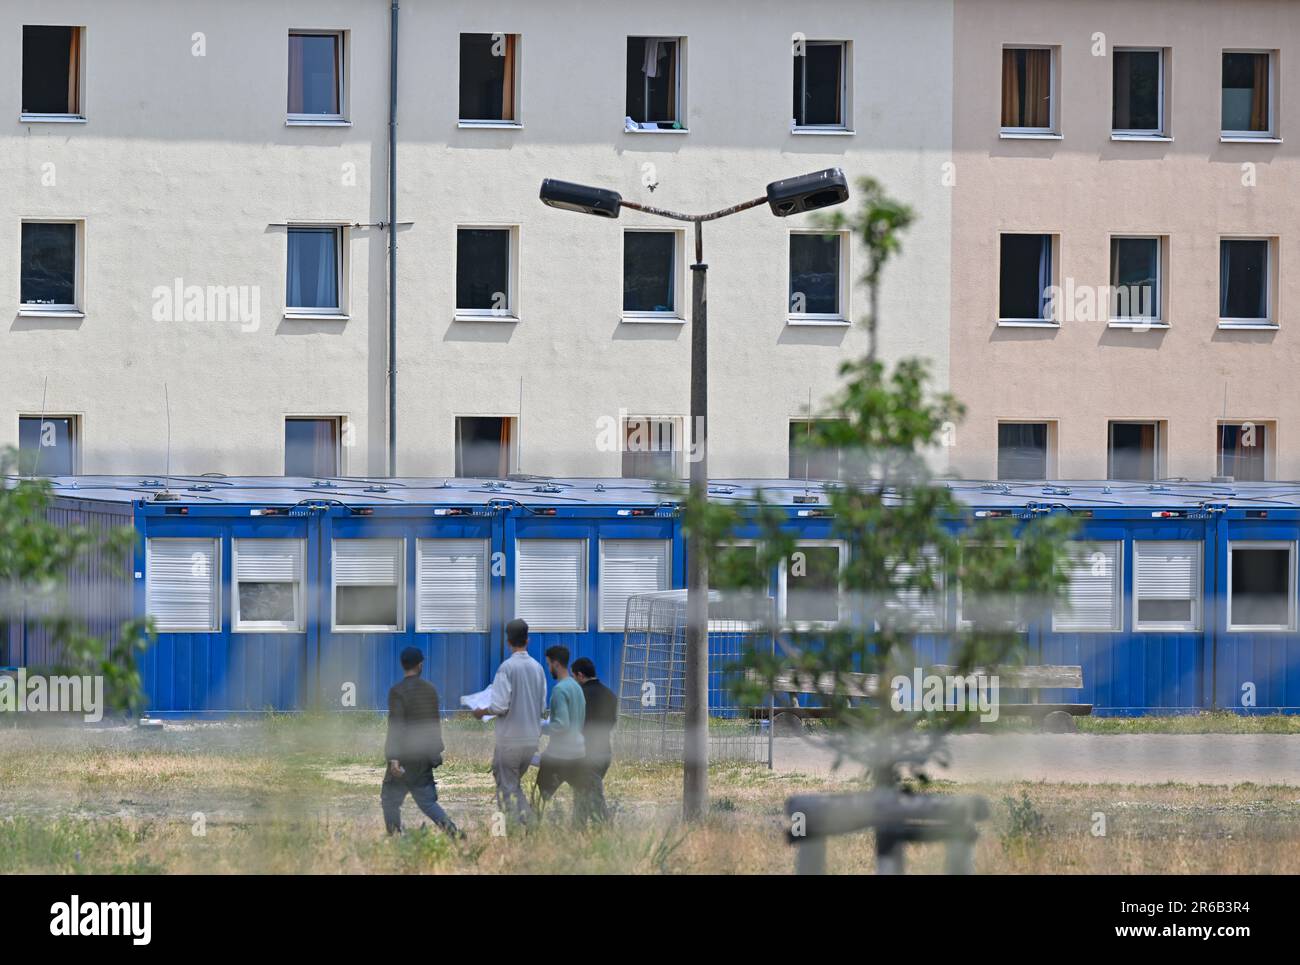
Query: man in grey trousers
point(517, 698)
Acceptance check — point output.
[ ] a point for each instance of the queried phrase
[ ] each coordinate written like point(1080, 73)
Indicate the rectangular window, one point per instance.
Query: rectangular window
point(1244, 283)
point(816, 276)
point(911, 606)
point(979, 608)
point(650, 448)
point(51, 72)
point(484, 447)
point(183, 585)
point(1027, 90)
point(488, 78)
point(1135, 289)
point(1092, 603)
point(1134, 451)
point(820, 84)
point(551, 583)
point(451, 585)
point(1243, 451)
point(1261, 585)
point(369, 580)
point(315, 270)
point(48, 445)
point(485, 272)
point(654, 78)
point(269, 579)
point(316, 76)
point(810, 584)
point(650, 274)
point(1022, 450)
point(1167, 585)
point(1024, 278)
point(1137, 92)
point(49, 269)
point(311, 447)
point(1247, 94)
point(629, 567)
point(809, 459)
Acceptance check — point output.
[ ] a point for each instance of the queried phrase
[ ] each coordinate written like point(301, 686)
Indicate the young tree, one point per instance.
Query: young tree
point(37, 556)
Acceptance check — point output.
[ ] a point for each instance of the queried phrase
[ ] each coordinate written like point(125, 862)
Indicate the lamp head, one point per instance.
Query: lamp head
point(808, 192)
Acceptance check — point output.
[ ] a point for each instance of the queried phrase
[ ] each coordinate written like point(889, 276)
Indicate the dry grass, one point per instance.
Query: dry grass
point(302, 796)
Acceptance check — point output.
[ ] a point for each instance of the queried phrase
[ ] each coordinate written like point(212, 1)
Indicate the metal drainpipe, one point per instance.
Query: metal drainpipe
point(392, 240)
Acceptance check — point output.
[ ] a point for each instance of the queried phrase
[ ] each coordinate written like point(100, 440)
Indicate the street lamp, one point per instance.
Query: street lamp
point(807, 192)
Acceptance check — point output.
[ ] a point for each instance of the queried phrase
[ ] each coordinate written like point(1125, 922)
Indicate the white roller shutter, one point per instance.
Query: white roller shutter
point(451, 584)
point(551, 583)
point(629, 567)
point(182, 586)
point(925, 611)
point(367, 562)
point(268, 560)
point(1092, 601)
point(1169, 570)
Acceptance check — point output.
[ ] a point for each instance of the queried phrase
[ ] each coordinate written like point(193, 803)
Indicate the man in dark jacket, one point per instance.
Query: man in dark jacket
point(414, 747)
point(602, 711)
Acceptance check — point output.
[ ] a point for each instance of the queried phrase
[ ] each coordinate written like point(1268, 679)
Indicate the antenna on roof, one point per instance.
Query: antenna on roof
point(40, 433)
point(519, 431)
point(167, 469)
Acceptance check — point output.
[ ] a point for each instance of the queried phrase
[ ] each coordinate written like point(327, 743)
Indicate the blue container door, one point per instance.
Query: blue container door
point(570, 578)
point(1254, 664)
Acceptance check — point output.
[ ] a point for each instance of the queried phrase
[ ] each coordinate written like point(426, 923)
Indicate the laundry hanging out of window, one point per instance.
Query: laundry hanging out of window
point(652, 83)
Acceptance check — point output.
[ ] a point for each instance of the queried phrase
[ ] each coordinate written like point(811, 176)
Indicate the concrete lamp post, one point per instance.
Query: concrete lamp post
point(807, 192)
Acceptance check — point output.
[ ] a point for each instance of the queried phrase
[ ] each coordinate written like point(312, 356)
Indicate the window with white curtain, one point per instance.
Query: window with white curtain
point(1092, 603)
point(551, 583)
point(451, 585)
point(268, 584)
point(369, 577)
point(315, 270)
point(629, 567)
point(1167, 585)
point(183, 585)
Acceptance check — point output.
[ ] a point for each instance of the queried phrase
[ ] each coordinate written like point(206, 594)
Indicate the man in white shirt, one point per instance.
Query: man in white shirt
point(517, 698)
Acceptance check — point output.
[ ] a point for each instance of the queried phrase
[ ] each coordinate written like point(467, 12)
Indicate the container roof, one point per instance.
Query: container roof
point(550, 491)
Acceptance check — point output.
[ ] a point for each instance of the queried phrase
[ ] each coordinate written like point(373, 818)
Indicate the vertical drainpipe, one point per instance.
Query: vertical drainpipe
point(392, 240)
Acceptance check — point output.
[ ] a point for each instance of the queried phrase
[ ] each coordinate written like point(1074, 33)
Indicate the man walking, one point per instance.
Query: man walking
point(516, 700)
point(602, 712)
point(413, 747)
point(564, 761)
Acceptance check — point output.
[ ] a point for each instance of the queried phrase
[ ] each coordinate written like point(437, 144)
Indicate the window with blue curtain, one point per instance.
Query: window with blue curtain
point(313, 282)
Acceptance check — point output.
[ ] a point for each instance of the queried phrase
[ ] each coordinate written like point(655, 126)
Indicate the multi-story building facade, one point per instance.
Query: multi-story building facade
point(197, 249)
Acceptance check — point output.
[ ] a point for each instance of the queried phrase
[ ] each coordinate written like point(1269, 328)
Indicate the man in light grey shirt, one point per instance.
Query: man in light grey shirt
point(517, 698)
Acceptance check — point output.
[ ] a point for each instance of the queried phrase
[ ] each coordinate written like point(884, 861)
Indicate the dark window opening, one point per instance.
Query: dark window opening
point(1134, 274)
point(813, 585)
point(652, 79)
point(1261, 587)
point(49, 264)
point(1027, 88)
point(51, 70)
point(1243, 279)
point(311, 447)
point(47, 445)
point(1134, 450)
point(814, 274)
point(1165, 611)
point(649, 279)
point(1242, 451)
point(1246, 92)
point(483, 447)
point(819, 85)
point(487, 77)
point(483, 270)
point(365, 606)
point(1024, 277)
point(1136, 93)
point(1022, 450)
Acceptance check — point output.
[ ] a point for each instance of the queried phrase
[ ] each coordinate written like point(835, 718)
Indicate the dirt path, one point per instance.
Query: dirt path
point(1224, 759)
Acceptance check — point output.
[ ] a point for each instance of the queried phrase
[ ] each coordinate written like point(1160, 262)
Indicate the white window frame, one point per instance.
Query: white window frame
point(481, 623)
point(611, 623)
point(74, 430)
point(584, 588)
point(897, 599)
point(214, 579)
point(846, 90)
point(489, 123)
point(1269, 321)
point(340, 431)
point(297, 625)
point(511, 312)
point(1270, 428)
point(1265, 544)
point(965, 624)
point(1052, 131)
point(1139, 321)
point(335, 626)
point(844, 283)
point(1053, 311)
point(77, 308)
point(1159, 468)
point(1198, 602)
point(679, 440)
point(678, 314)
point(512, 453)
point(782, 586)
point(1050, 460)
point(342, 270)
point(1269, 136)
point(72, 118)
point(1079, 555)
point(679, 109)
point(1159, 133)
point(341, 53)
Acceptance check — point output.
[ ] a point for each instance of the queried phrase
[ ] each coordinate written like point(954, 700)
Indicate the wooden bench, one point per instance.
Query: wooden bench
point(861, 686)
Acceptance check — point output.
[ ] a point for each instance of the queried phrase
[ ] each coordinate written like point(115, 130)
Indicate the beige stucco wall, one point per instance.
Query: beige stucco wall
point(185, 164)
point(1086, 187)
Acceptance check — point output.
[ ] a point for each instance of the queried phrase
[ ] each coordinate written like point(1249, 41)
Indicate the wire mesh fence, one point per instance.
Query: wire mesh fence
point(652, 705)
